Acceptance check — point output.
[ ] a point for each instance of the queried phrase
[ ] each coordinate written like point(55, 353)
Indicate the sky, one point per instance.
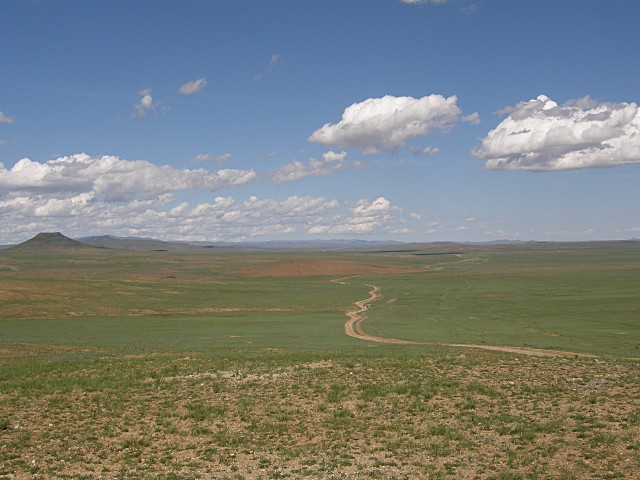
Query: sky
point(247, 120)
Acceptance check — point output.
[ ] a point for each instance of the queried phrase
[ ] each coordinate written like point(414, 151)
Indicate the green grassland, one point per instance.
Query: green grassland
point(157, 301)
point(236, 365)
point(576, 298)
point(573, 297)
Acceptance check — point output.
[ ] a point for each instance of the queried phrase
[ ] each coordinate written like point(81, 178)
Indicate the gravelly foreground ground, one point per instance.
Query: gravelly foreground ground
point(447, 414)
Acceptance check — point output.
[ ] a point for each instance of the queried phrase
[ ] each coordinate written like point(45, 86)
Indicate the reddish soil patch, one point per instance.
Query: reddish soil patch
point(317, 268)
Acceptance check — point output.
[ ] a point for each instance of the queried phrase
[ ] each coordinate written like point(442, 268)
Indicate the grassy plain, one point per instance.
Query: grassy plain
point(236, 365)
point(581, 298)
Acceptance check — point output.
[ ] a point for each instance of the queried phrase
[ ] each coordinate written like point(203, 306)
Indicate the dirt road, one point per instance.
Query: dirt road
point(354, 329)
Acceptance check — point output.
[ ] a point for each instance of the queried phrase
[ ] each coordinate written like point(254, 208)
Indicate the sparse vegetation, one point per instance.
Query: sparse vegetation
point(184, 366)
point(308, 415)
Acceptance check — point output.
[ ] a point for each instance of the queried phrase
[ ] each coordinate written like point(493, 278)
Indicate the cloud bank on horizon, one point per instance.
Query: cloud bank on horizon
point(134, 198)
point(324, 126)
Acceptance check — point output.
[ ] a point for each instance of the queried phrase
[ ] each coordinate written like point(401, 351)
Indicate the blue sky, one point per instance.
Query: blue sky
point(382, 119)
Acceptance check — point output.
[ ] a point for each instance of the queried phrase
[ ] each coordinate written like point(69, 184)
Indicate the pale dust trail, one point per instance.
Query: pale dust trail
point(353, 328)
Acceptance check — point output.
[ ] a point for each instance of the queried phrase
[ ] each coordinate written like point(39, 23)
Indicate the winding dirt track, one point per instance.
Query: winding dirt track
point(354, 329)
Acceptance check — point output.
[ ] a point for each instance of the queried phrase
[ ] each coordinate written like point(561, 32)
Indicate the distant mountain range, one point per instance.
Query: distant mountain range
point(137, 244)
point(57, 242)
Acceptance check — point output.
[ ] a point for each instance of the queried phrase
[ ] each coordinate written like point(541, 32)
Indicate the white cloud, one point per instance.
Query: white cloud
point(82, 195)
point(387, 123)
point(221, 219)
point(225, 157)
point(364, 217)
point(275, 63)
point(427, 151)
point(540, 135)
point(364, 208)
point(434, 226)
point(113, 179)
point(204, 157)
point(146, 103)
point(422, 2)
point(5, 119)
point(472, 118)
point(331, 162)
point(193, 86)
point(470, 9)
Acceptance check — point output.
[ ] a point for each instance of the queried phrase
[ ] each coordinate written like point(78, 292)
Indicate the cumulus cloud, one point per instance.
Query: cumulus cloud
point(387, 123)
point(192, 87)
point(204, 157)
point(146, 103)
point(331, 162)
point(541, 135)
point(222, 218)
point(83, 195)
point(5, 119)
point(364, 217)
point(364, 208)
point(113, 179)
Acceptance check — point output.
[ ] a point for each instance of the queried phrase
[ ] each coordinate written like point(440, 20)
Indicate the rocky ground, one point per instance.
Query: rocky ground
point(450, 413)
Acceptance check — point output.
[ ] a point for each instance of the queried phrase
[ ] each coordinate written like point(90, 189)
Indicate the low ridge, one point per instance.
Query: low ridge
point(138, 244)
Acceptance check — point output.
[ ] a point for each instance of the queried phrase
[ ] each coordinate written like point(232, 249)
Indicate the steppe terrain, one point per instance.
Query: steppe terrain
point(417, 361)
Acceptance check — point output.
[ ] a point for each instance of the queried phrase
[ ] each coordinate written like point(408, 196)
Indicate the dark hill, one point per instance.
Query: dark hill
point(48, 242)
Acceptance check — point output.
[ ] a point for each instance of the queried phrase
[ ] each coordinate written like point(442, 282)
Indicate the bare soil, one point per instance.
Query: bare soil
point(457, 414)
